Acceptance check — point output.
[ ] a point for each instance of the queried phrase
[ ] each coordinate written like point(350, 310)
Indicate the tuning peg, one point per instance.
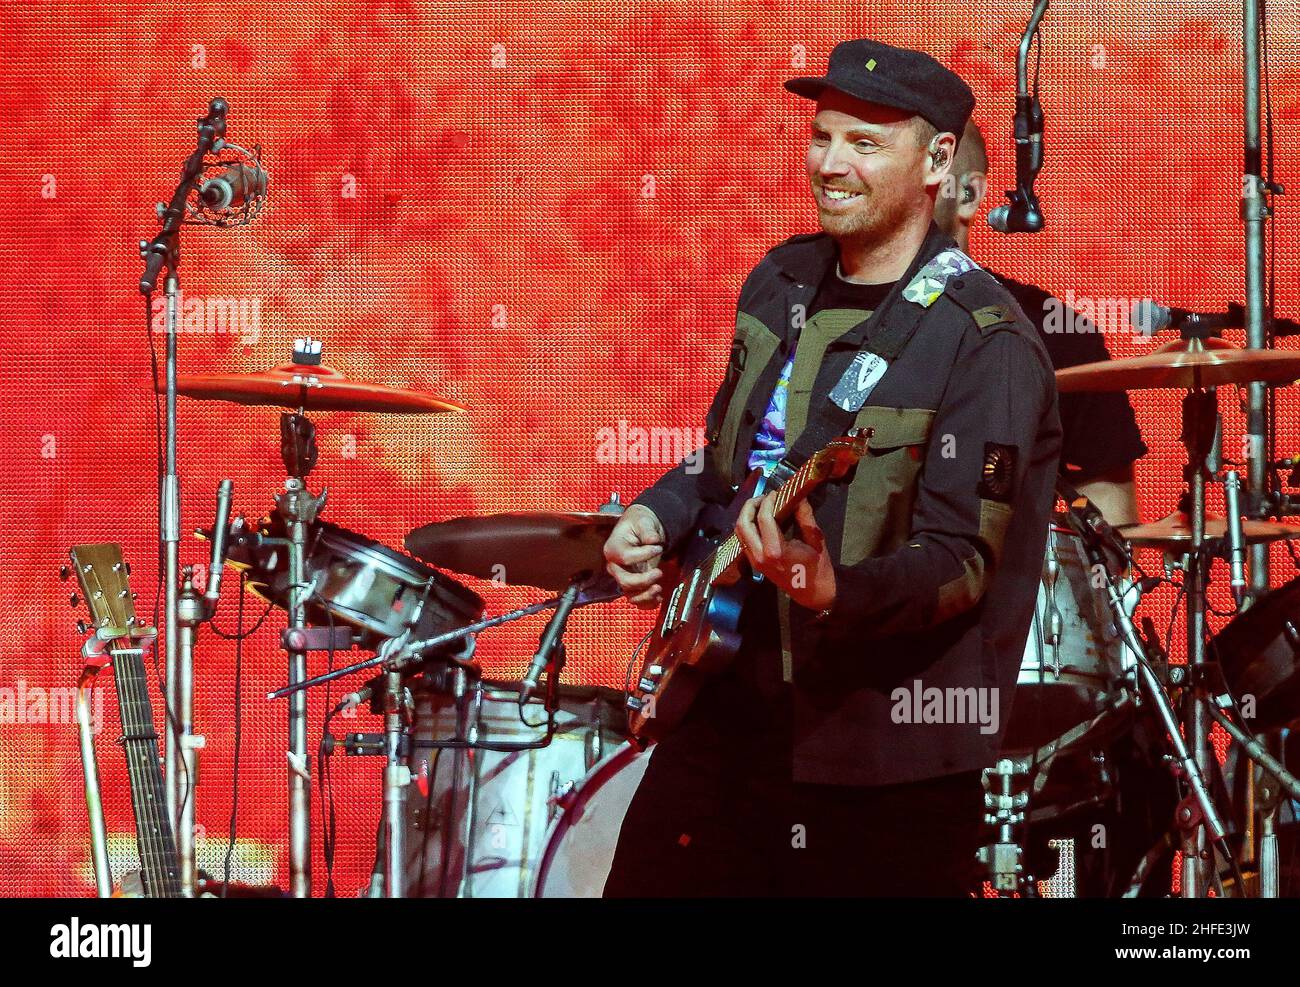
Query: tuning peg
point(82, 628)
point(126, 567)
point(74, 600)
point(64, 573)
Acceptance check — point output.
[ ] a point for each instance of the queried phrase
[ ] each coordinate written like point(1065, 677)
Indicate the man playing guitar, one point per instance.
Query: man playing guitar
point(840, 751)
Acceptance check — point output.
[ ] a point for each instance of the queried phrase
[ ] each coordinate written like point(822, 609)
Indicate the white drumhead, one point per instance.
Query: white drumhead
point(580, 845)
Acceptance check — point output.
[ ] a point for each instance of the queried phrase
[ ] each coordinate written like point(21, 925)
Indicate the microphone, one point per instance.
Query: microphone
point(1149, 317)
point(549, 642)
point(220, 529)
point(235, 186)
point(1023, 214)
point(1236, 538)
point(1088, 520)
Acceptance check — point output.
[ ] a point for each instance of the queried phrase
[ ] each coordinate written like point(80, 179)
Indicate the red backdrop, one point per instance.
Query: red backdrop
point(544, 215)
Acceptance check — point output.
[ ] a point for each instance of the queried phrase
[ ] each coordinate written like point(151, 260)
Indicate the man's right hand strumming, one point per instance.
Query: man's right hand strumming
point(633, 552)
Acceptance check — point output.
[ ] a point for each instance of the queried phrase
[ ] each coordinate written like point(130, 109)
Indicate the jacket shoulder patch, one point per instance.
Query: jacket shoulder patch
point(984, 298)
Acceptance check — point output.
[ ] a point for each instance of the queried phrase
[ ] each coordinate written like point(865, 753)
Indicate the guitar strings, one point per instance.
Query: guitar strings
point(143, 765)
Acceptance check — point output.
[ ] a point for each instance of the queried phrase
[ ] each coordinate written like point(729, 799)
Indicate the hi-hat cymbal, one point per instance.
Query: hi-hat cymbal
point(1174, 532)
point(312, 388)
point(1184, 364)
point(533, 548)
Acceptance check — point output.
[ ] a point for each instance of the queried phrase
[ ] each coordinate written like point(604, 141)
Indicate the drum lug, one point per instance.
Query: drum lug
point(561, 797)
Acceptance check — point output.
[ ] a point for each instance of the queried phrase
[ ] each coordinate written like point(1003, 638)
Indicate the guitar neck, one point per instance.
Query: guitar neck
point(803, 482)
point(157, 844)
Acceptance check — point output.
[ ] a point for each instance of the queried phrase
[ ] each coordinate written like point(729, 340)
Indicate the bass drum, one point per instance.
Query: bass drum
point(477, 822)
point(580, 843)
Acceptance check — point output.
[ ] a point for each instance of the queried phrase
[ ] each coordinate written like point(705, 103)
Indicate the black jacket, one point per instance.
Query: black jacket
point(937, 537)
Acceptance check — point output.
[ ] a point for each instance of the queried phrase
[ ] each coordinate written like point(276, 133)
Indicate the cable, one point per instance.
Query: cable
point(329, 825)
point(212, 624)
point(158, 443)
point(239, 682)
point(432, 781)
point(329, 828)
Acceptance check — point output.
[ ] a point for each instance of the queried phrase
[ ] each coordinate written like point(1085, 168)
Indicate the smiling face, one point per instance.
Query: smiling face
point(871, 167)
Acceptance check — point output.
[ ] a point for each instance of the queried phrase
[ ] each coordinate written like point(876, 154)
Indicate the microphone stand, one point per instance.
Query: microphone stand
point(1023, 214)
point(403, 656)
point(163, 252)
point(1197, 817)
point(400, 657)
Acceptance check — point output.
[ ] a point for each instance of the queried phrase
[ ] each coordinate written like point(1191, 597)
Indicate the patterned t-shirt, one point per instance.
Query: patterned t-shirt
point(835, 293)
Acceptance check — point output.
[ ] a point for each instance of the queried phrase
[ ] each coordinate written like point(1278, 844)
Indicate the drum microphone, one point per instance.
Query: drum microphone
point(1236, 538)
point(220, 530)
point(550, 641)
point(233, 187)
point(1088, 521)
point(1149, 317)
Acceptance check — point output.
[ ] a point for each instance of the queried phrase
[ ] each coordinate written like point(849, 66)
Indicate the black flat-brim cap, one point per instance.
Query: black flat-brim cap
point(898, 77)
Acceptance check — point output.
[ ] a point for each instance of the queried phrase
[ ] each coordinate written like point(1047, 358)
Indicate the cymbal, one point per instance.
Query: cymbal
point(1184, 364)
point(312, 388)
point(1174, 532)
point(532, 548)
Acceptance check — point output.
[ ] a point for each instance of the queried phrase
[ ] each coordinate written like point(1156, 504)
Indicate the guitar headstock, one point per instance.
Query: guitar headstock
point(104, 578)
point(840, 455)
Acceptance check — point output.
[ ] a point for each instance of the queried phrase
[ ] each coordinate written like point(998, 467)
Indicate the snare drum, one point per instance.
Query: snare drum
point(359, 582)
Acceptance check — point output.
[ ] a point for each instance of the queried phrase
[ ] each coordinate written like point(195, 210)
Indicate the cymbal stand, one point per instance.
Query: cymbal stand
point(298, 507)
point(1256, 212)
point(1006, 798)
point(1200, 421)
point(1197, 817)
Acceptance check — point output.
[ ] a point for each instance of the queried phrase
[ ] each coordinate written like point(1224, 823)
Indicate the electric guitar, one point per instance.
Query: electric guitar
point(119, 639)
point(696, 634)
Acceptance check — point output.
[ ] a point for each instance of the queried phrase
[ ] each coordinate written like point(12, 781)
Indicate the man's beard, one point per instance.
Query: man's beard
point(863, 224)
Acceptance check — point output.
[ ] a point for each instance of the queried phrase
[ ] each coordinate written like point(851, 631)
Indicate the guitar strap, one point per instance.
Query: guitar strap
point(889, 329)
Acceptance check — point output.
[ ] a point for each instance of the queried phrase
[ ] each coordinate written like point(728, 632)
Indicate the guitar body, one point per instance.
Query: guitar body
point(697, 631)
point(697, 634)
